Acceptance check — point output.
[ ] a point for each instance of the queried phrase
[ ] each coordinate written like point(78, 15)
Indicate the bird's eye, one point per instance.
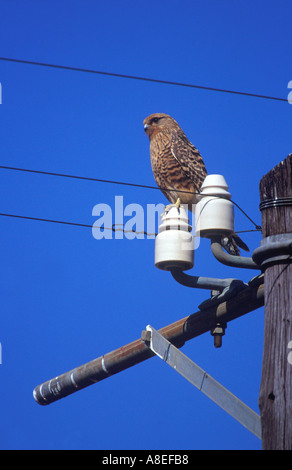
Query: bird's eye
point(155, 119)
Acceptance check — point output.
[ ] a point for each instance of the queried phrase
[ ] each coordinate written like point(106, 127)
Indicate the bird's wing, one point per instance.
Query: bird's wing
point(189, 158)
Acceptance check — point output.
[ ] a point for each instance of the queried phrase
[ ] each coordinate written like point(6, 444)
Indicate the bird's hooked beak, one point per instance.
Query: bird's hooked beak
point(147, 129)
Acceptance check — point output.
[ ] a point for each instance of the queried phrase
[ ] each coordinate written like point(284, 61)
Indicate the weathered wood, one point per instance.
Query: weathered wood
point(275, 400)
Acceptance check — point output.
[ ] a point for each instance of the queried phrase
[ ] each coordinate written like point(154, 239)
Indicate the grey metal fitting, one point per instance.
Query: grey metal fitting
point(275, 249)
point(146, 336)
point(231, 260)
point(200, 282)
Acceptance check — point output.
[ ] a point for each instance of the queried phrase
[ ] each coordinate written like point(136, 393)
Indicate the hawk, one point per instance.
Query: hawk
point(178, 166)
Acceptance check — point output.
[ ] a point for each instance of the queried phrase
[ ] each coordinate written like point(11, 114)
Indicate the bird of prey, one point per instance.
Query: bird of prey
point(178, 166)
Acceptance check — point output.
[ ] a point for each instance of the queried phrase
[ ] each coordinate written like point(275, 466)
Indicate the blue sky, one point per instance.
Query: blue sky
point(67, 298)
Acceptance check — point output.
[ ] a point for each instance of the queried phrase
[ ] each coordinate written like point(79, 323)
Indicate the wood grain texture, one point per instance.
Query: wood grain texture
point(275, 400)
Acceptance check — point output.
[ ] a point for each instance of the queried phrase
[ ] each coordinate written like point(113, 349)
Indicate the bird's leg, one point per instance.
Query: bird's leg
point(169, 206)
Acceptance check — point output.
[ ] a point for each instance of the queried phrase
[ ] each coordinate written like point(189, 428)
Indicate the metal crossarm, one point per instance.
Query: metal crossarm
point(203, 381)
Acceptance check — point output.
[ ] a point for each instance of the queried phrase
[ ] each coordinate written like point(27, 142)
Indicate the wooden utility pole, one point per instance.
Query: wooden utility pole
point(275, 400)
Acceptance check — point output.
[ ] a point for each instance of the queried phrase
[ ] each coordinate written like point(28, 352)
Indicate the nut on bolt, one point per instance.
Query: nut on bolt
point(217, 333)
point(146, 336)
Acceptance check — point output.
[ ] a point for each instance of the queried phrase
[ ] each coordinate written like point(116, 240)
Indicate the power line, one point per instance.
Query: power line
point(76, 224)
point(112, 228)
point(249, 231)
point(99, 180)
point(258, 227)
point(134, 77)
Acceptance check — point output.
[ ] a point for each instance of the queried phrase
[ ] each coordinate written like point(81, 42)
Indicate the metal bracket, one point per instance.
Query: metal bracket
point(203, 381)
point(200, 282)
point(275, 249)
point(231, 260)
point(227, 294)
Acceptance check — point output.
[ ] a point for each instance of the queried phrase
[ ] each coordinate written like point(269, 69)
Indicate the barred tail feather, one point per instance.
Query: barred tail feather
point(231, 243)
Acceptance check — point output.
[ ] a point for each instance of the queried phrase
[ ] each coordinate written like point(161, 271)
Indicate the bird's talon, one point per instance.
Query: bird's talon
point(169, 206)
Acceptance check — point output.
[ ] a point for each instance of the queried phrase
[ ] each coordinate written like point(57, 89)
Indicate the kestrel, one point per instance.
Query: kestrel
point(178, 166)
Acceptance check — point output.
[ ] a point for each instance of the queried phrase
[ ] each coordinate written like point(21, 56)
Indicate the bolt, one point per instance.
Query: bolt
point(217, 333)
point(217, 341)
point(146, 336)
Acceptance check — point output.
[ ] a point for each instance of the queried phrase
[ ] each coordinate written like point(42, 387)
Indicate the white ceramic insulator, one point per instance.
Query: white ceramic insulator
point(174, 244)
point(214, 211)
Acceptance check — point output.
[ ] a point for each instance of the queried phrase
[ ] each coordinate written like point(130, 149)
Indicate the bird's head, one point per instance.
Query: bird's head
point(158, 122)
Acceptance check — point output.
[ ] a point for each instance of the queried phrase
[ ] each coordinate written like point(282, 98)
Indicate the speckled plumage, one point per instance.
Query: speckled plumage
point(176, 163)
point(178, 167)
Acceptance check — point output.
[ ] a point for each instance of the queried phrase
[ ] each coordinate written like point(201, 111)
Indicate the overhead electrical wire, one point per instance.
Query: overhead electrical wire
point(76, 224)
point(113, 228)
point(99, 180)
point(145, 79)
point(87, 178)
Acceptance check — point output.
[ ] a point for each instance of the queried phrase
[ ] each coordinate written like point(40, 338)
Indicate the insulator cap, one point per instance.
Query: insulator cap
point(214, 211)
point(174, 244)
